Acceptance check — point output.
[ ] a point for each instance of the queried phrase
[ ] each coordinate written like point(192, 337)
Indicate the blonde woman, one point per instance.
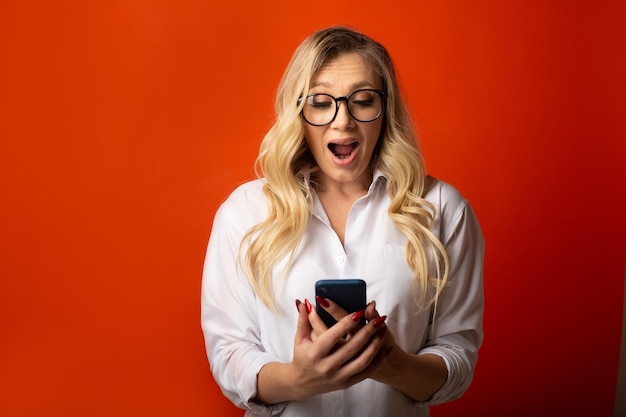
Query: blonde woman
point(342, 193)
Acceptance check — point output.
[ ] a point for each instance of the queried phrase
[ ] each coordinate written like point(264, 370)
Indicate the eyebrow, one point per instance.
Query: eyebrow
point(353, 87)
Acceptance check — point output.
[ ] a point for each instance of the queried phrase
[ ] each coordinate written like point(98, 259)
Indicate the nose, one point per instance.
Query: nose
point(342, 119)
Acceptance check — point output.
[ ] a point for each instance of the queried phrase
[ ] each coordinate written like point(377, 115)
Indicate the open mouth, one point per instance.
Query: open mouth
point(342, 151)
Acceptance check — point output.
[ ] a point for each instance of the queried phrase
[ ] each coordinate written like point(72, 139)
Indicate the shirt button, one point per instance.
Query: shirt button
point(341, 258)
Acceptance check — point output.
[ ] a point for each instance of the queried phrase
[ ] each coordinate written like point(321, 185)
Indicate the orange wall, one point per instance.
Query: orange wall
point(123, 124)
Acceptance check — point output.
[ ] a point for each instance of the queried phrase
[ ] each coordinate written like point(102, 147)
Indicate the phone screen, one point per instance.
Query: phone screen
point(350, 294)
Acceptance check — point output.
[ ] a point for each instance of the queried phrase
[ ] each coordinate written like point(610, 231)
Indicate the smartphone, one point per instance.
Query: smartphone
point(348, 293)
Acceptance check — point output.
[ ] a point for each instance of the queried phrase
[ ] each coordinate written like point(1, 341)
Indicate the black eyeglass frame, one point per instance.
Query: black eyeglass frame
point(380, 93)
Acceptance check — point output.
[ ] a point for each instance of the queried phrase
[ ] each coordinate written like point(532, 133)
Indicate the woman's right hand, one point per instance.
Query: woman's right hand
point(324, 361)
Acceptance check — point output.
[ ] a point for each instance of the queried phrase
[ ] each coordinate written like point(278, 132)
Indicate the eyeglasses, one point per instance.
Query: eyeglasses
point(363, 106)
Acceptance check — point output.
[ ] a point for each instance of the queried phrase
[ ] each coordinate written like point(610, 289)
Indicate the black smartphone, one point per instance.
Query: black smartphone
point(348, 293)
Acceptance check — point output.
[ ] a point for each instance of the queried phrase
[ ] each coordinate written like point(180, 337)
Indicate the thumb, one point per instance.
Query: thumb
point(303, 329)
point(370, 311)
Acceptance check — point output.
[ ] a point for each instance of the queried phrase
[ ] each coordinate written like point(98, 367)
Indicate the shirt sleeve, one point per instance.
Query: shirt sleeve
point(229, 317)
point(456, 331)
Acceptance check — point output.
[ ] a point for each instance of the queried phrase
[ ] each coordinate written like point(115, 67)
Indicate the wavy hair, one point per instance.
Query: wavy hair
point(286, 164)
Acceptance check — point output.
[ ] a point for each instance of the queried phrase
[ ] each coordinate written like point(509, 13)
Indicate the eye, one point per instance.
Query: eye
point(320, 101)
point(363, 98)
point(363, 103)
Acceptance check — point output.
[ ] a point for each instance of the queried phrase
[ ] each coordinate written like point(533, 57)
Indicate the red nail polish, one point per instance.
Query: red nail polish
point(309, 308)
point(322, 301)
point(358, 315)
point(298, 302)
point(379, 321)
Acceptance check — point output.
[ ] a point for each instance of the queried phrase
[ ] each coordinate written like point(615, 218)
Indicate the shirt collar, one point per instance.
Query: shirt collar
point(377, 178)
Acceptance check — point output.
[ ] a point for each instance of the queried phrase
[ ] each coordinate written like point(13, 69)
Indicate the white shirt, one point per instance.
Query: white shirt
point(242, 334)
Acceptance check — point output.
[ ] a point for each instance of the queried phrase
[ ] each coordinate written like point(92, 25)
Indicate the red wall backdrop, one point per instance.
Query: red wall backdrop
point(123, 125)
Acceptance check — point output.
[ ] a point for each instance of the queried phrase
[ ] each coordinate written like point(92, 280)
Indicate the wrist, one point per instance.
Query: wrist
point(279, 382)
point(401, 368)
point(292, 383)
point(274, 383)
point(392, 365)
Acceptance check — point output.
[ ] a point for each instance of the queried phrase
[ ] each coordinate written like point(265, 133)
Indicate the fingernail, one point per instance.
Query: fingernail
point(379, 321)
point(298, 302)
point(358, 315)
point(322, 301)
point(309, 308)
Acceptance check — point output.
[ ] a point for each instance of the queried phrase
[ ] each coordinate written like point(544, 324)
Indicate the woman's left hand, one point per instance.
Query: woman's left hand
point(371, 314)
point(418, 376)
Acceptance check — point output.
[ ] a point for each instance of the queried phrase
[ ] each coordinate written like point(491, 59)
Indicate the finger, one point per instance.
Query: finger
point(337, 312)
point(317, 329)
point(362, 354)
point(370, 369)
point(372, 315)
point(343, 333)
point(370, 311)
point(332, 308)
point(316, 321)
point(303, 329)
point(329, 338)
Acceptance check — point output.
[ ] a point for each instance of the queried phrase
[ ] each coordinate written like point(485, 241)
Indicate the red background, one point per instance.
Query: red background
point(125, 123)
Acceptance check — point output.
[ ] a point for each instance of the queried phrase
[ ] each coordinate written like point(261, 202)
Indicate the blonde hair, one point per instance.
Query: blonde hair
point(286, 163)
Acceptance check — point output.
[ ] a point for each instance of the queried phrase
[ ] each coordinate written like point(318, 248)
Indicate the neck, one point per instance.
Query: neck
point(355, 188)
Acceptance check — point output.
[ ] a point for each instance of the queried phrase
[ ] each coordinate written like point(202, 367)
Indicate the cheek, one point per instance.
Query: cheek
point(379, 127)
point(313, 138)
point(373, 133)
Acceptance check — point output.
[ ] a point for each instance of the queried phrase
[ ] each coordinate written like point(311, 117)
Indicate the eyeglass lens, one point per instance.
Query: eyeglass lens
point(363, 106)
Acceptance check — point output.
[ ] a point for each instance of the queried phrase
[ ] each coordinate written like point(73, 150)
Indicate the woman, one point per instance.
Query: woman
point(342, 193)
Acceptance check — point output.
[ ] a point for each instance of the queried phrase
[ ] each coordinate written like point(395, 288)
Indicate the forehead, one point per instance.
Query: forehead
point(347, 70)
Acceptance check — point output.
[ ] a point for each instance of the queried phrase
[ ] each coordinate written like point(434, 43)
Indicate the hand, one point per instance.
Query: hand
point(371, 315)
point(337, 312)
point(324, 361)
point(389, 344)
